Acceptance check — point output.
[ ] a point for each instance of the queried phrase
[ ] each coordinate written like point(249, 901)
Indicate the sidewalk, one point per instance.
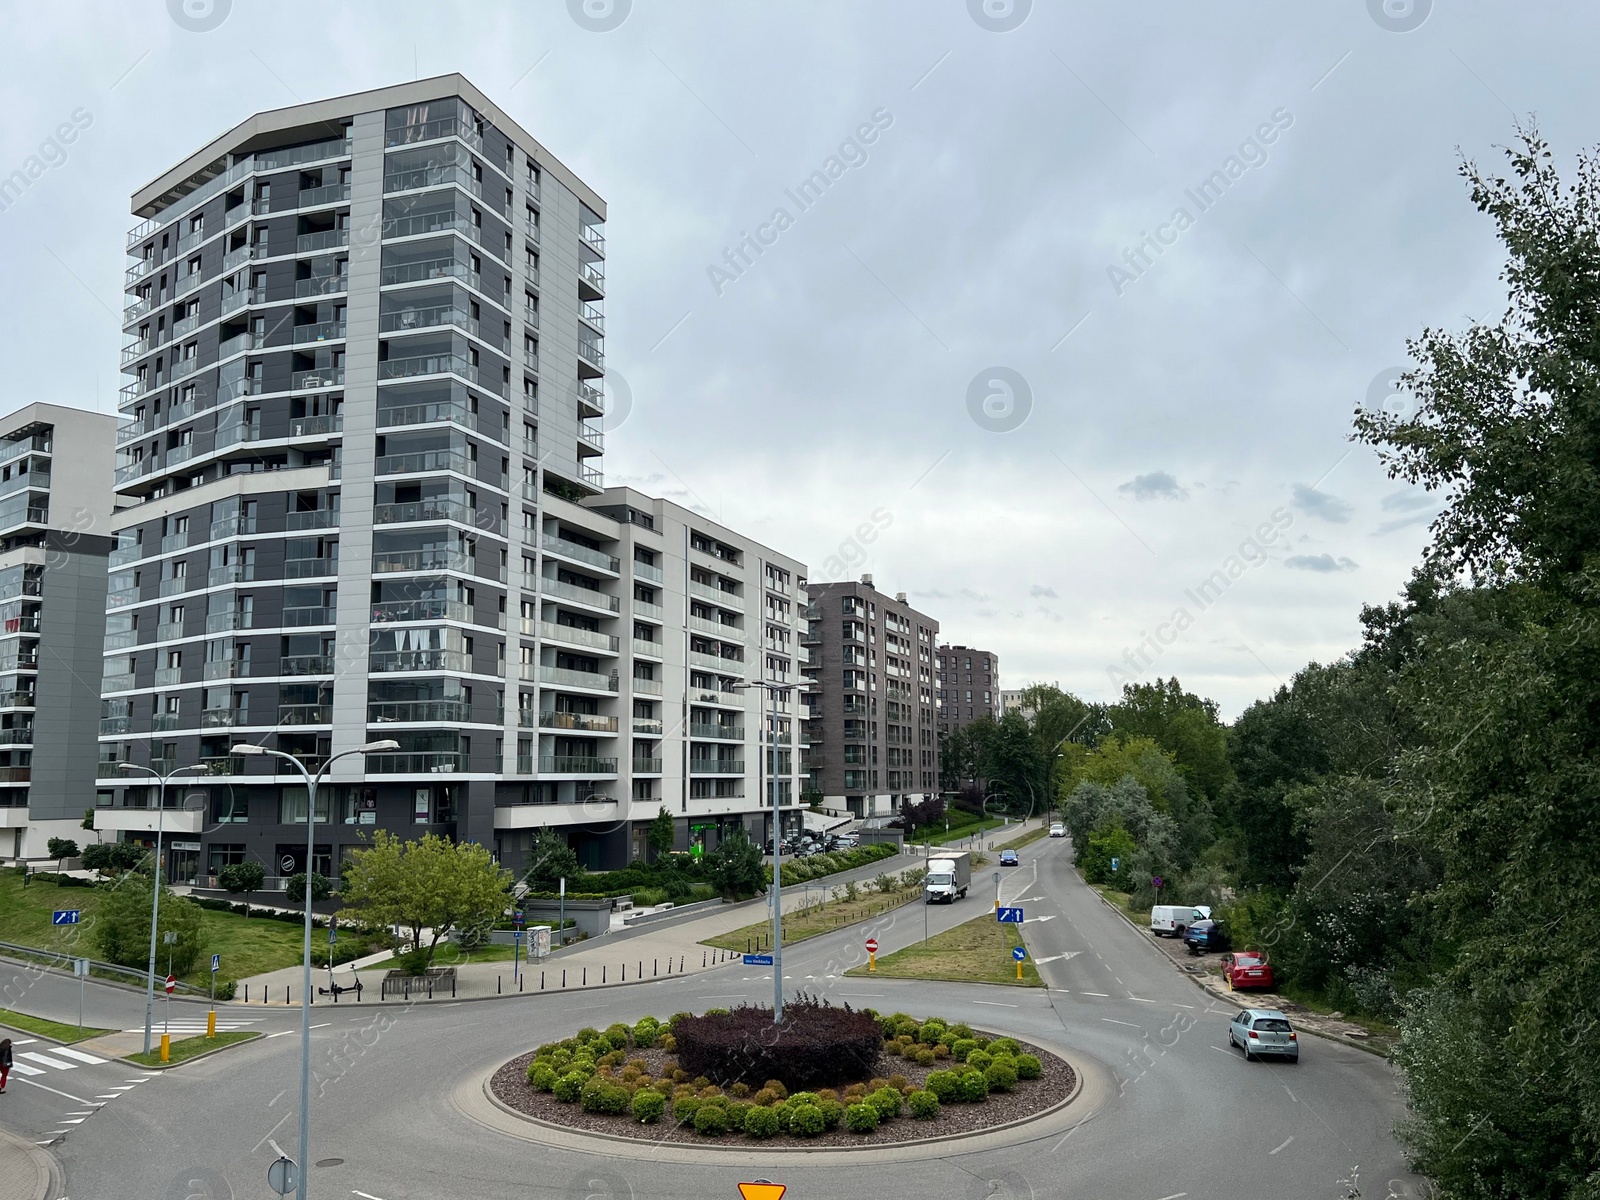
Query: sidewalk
point(24, 1170)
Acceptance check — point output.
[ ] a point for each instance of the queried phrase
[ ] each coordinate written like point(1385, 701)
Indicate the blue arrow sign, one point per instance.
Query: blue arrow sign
point(1008, 916)
point(64, 916)
point(1018, 953)
point(758, 960)
point(516, 935)
point(216, 961)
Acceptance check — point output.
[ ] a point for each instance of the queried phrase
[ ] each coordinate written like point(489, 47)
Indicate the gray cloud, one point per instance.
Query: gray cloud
point(1321, 563)
point(1320, 505)
point(1408, 501)
point(1036, 591)
point(1157, 485)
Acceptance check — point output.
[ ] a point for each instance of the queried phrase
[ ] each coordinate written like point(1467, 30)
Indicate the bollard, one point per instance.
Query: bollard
point(680, 964)
point(655, 967)
point(541, 981)
point(702, 958)
point(286, 999)
point(640, 975)
point(602, 972)
point(585, 982)
point(563, 977)
point(247, 993)
point(519, 983)
point(497, 985)
point(624, 972)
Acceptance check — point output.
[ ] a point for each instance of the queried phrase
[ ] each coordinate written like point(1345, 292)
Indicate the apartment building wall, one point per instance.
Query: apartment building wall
point(969, 686)
point(874, 739)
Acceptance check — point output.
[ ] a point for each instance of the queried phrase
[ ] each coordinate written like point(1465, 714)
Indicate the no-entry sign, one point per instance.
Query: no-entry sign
point(172, 982)
point(872, 945)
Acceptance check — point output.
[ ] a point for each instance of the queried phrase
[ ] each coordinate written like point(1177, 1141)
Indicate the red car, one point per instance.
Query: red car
point(1247, 969)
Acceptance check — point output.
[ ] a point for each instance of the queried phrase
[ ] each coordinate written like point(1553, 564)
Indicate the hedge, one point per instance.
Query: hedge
point(815, 1045)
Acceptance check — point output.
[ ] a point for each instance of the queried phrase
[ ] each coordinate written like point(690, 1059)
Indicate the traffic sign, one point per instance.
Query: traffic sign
point(872, 945)
point(762, 1190)
point(172, 983)
point(64, 916)
point(1155, 881)
point(517, 934)
point(80, 967)
point(758, 960)
point(1018, 953)
point(282, 1177)
point(1116, 863)
point(1008, 916)
point(519, 918)
point(216, 961)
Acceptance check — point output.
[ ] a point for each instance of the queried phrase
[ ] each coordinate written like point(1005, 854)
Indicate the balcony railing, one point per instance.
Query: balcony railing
point(414, 764)
point(726, 733)
point(429, 711)
point(319, 377)
point(424, 414)
point(232, 573)
point(391, 562)
point(326, 239)
point(384, 661)
point(306, 664)
point(583, 722)
point(580, 595)
point(716, 766)
point(333, 193)
point(310, 568)
point(563, 677)
point(647, 766)
point(646, 687)
point(395, 611)
point(318, 285)
point(648, 648)
point(321, 331)
point(442, 508)
point(594, 558)
point(574, 636)
point(325, 423)
point(423, 177)
point(572, 764)
point(427, 131)
point(305, 714)
point(716, 595)
point(315, 518)
point(304, 616)
point(424, 461)
point(644, 570)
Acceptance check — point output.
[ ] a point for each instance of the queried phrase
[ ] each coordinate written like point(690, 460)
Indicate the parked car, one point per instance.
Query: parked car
point(1058, 830)
point(1175, 919)
point(1259, 1031)
point(1008, 858)
point(1206, 935)
point(1247, 969)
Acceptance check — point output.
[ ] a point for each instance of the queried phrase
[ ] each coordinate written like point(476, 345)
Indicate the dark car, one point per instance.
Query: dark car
point(1008, 858)
point(1205, 935)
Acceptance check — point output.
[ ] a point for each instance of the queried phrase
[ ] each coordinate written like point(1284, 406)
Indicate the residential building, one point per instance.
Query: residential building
point(969, 686)
point(55, 535)
point(873, 740)
point(362, 463)
point(1010, 700)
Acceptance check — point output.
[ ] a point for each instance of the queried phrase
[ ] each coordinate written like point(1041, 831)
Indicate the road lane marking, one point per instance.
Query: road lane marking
point(1140, 999)
point(1129, 1024)
point(864, 995)
point(994, 1004)
point(280, 1033)
point(1220, 1050)
point(25, 1069)
point(324, 1025)
point(79, 1055)
point(42, 1087)
point(25, 1041)
point(1291, 1094)
point(364, 1195)
point(1286, 1141)
point(1102, 995)
point(276, 1098)
point(1175, 1196)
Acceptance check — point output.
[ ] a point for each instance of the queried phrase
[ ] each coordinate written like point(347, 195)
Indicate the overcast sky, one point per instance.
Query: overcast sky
point(1056, 404)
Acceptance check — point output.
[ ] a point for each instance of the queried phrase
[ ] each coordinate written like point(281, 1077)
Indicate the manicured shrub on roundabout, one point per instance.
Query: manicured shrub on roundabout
point(761, 1123)
point(887, 1101)
point(979, 1059)
point(541, 1075)
point(806, 1120)
point(648, 1106)
point(974, 1086)
point(1028, 1067)
point(711, 1120)
point(601, 1095)
point(1001, 1075)
point(923, 1104)
point(685, 1107)
point(945, 1086)
point(861, 1118)
point(961, 1047)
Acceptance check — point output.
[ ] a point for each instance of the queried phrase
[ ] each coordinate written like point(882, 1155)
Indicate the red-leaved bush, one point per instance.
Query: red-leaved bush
point(816, 1045)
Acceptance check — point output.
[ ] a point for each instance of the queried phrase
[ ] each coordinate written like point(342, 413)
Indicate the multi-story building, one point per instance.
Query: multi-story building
point(1010, 700)
point(55, 534)
point(362, 462)
point(969, 686)
point(873, 740)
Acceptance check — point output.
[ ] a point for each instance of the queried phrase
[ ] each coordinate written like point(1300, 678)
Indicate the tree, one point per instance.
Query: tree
point(242, 878)
point(735, 866)
point(115, 858)
point(1182, 724)
point(122, 924)
point(425, 886)
point(88, 820)
point(662, 833)
point(550, 860)
point(60, 848)
point(1107, 843)
point(294, 889)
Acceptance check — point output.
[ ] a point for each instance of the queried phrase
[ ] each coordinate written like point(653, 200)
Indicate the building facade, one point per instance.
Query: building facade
point(969, 686)
point(361, 464)
point(55, 536)
point(873, 739)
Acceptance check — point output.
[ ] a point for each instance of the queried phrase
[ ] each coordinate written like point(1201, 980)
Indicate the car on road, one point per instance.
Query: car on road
point(1175, 919)
point(1008, 858)
point(1259, 1031)
point(1205, 935)
point(1058, 830)
point(1247, 969)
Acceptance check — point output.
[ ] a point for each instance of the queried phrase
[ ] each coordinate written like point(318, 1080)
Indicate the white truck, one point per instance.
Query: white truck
point(1172, 920)
point(949, 876)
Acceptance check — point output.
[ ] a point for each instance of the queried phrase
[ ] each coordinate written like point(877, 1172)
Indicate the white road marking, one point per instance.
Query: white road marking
point(280, 1033)
point(25, 1069)
point(1102, 995)
point(78, 1121)
point(1140, 999)
point(275, 1099)
point(1220, 1050)
point(364, 1195)
point(324, 1025)
point(1175, 1196)
point(123, 1088)
point(42, 1087)
point(79, 1055)
point(864, 995)
point(24, 1041)
point(1286, 1141)
point(1291, 1094)
point(994, 1004)
point(35, 1056)
point(1129, 1024)
point(112, 1096)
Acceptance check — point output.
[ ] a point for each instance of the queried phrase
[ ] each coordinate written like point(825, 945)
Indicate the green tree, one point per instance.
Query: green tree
point(735, 866)
point(662, 833)
point(114, 858)
point(1110, 841)
point(294, 889)
point(1182, 724)
point(60, 848)
point(424, 887)
point(550, 860)
point(242, 878)
point(122, 924)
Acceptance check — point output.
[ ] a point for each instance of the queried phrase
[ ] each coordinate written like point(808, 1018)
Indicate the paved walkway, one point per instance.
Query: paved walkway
point(24, 1169)
point(656, 950)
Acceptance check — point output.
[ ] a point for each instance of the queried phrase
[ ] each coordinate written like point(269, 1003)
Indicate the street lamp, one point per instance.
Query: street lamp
point(155, 875)
point(247, 749)
point(772, 689)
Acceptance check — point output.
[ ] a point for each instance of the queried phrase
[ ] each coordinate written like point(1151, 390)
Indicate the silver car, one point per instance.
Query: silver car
point(1259, 1031)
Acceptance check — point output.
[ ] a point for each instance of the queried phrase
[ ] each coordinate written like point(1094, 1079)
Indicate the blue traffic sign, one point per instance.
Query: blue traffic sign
point(1116, 864)
point(64, 916)
point(1018, 953)
point(758, 960)
point(516, 934)
point(216, 961)
point(1008, 916)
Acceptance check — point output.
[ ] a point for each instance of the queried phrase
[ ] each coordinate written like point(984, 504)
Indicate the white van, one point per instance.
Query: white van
point(1173, 920)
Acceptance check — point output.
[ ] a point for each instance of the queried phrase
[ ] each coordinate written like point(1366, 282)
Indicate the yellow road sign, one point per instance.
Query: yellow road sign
point(762, 1191)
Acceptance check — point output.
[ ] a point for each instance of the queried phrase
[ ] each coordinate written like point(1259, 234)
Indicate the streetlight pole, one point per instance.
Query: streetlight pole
point(772, 690)
point(155, 889)
point(247, 749)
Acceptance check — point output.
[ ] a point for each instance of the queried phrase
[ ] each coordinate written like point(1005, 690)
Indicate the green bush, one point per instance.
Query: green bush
point(1004, 1046)
point(1028, 1067)
point(586, 1035)
point(961, 1047)
point(974, 1086)
point(806, 1120)
point(960, 1030)
point(646, 1031)
point(617, 1036)
point(676, 1017)
point(979, 1059)
point(926, 1056)
point(887, 1101)
point(861, 1118)
point(924, 1105)
point(945, 1085)
point(711, 1120)
point(648, 1106)
point(685, 1107)
point(1001, 1075)
point(569, 1087)
point(780, 1110)
point(601, 1095)
point(738, 1111)
point(542, 1076)
point(761, 1122)
point(650, 897)
point(930, 1032)
point(832, 1113)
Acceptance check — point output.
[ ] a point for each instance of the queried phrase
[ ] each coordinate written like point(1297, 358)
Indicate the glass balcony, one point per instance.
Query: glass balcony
point(716, 595)
point(111, 726)
point(594, 438)
point(563, 677)
point(428, 131)
point(306, 664)
point(395, 612)
point(424, 461)
point(571, 764)
point(716, 766)
point(643, 608)
point(409, 320)
point(647, 766)
point(583, 554)
point(591, 352)
point(318, 377)
point(646, 725)
point(394, 562)
point(309, 616)
point(582, 722)
point(310, 568)
point(647, 648)
point(384, 661)
point(591, 313)
point(426, 177)
point(227, 668)
point(333, 193)
point(574, 636)
point(726, 733)
point(580, 595)
point(592, 237)
point(318, 285)
point(414, 764)
point(321, 331)
point(222, 718)
point(169, 676)
point(436, 364)
point(224, 622)
point(646, 687)
point(304, 427)
point(316, 518)
point(424, 414)
point(326, 239)
point(446, 712)
point(232, 573)
point(442, 508)
point(592, 476)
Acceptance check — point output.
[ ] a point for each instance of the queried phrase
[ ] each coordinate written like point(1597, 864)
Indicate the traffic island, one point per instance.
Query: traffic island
point(982, 950)
point(188, 1049)
point(831, 1078)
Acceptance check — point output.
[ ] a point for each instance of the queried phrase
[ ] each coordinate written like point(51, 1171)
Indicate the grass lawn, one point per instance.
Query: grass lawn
point(817, 919)
point(1018, 843)
point(958, 833)
point(54, 1030)
point(978, 951)
point(188, 1048)
point(449, 954)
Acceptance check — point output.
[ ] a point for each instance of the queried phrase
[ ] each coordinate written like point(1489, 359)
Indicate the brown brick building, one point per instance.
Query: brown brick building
point(873, 740)
point(969, 686)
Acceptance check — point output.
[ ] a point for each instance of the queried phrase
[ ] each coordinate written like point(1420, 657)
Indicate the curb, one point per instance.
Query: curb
point(193, 1058)
point(47, 1173)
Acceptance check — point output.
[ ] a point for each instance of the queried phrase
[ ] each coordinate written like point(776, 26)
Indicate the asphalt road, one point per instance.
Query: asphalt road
point(1186, 1117)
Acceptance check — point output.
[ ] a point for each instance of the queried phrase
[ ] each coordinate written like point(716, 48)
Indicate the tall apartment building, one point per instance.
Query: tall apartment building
point(362, 462)
point(55, 534)
point(969, 686)
point(873, 740)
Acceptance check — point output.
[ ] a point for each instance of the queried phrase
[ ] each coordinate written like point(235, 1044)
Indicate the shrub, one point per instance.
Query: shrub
point(945, 1085)
point(586, 1035)
point(648, 1106)
point(861, 1118)
point(926, 1056)
point(711, 1120)
point(709, 1092)
point(569, 1087)
point(930, 1033)
point(668, 1042)
point(855, 1093)
point(1001, 1075)
point(542, 1076)
point(685, 1107)
point(924, 1105)
point(974, 1086)
point(832, 1112)
point(979, 1059)
point(900, 1083)
point(614, 1059)
point(826, 1094)
point(738, 1111)
point(741, 1090)
point(895, 1047)
point(764, 1097)
point(961, 1047)
point(1004, 1045)
point(801, 1098)
point(646, 1032)
point(679, 1075)
point(887, 1101)
point(1028, 1067)
point(761, 1122)
point(959, 1030)
point(600, 1095)
point(777, 1088)
point(806, 1120)
point(673, 1020)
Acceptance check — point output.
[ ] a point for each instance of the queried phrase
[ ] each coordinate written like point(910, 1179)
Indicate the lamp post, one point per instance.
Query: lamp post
point(248, 749)
point(155, 890)
point(772, 689)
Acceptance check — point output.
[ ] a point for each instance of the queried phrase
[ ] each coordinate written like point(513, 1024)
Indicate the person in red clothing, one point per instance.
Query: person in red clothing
point(5, 1062)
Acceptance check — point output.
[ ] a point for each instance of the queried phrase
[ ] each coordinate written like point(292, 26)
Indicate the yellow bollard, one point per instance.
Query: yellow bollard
point(211, 1023)
point(166, 1047)
point(1019, 970)
point(872, 961)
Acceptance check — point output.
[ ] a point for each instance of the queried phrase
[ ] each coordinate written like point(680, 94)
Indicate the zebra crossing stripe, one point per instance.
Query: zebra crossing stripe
point(79, 1055)
point(25, 1069)
point(34, 1056)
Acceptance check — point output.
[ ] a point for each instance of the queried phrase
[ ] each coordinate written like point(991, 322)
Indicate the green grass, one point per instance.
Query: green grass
point(815, 920)
point(1018, 843)
point(191, 1047)
point(449, 954)
point(978, 951)
point(54, 1030)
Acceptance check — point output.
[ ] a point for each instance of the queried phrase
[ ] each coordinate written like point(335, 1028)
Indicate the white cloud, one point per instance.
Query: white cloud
point(1319, 562)
point(1157, 485)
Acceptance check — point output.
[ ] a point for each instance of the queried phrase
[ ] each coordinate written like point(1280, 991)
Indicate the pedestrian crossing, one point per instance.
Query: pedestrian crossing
point(35, 1062)
point(58, 1058)
point(190, 1026)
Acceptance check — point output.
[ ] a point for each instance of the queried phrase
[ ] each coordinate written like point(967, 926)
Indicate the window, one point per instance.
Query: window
point(292, 806)
point(224, 854)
